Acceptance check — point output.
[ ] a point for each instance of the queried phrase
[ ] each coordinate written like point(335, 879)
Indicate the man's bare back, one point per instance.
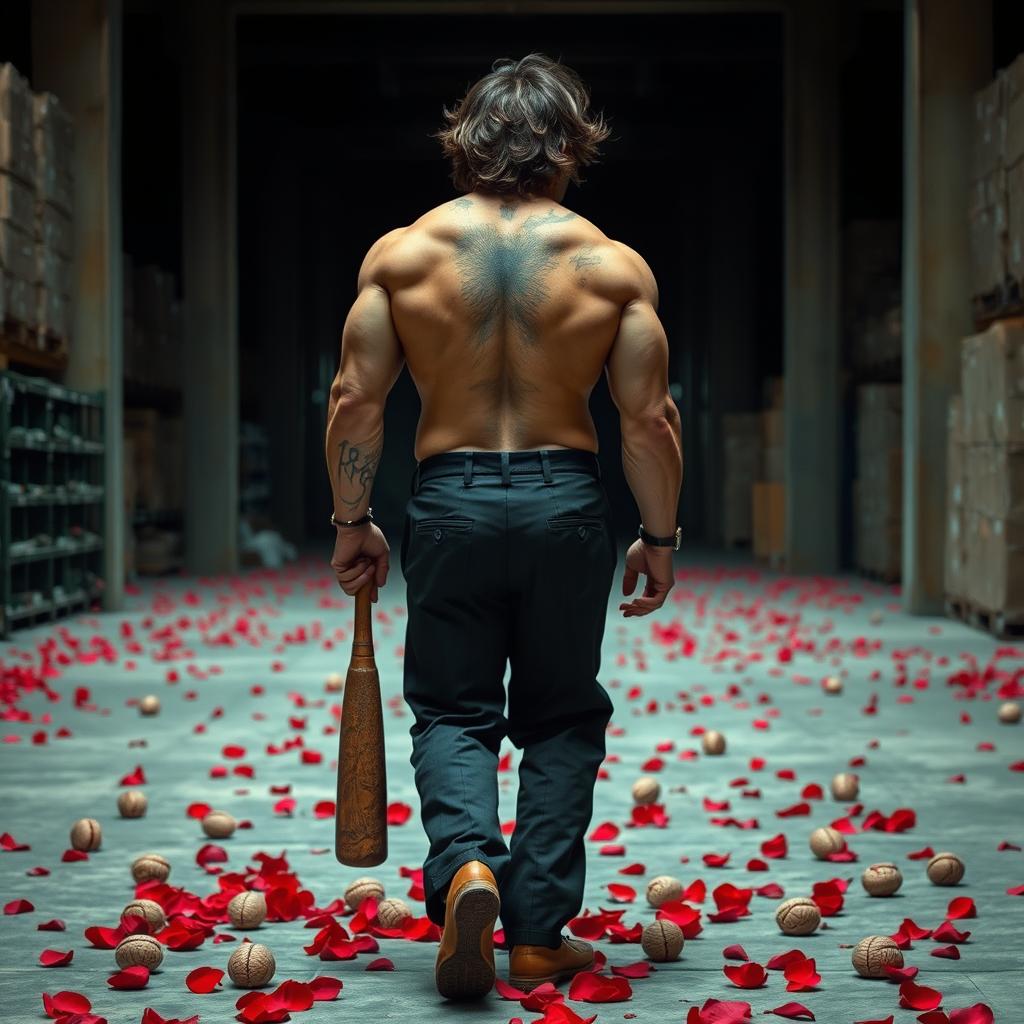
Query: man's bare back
point(506, 310)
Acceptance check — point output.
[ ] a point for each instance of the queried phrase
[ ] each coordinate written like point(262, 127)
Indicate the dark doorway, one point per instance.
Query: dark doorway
point(334, 149)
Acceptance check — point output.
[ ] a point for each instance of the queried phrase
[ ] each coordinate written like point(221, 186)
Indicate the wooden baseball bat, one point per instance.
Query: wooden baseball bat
point(360, 824)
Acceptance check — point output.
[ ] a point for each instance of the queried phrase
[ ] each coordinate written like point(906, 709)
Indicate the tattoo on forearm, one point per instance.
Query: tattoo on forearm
point(357, 464)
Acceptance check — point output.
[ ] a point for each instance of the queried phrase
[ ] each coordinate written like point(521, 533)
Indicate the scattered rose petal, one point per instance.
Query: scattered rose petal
point(130, 978)
point(204, 979)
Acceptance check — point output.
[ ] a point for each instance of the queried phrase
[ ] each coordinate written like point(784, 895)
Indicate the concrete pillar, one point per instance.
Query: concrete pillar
point(811, 344)
point(210, 299)
point(948, 47)
point(732, 387)
point(76, 55)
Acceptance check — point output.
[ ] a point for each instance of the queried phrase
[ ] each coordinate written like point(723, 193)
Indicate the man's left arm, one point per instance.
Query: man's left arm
point(371, 360)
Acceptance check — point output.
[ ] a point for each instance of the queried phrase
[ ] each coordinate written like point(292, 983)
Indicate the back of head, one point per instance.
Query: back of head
point(521, 126)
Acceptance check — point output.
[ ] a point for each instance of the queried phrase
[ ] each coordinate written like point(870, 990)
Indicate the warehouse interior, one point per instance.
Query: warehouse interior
point(790, 269)
point(831, 197)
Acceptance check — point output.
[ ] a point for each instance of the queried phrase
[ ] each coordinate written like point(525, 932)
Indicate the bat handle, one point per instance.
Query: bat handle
point(362, 641)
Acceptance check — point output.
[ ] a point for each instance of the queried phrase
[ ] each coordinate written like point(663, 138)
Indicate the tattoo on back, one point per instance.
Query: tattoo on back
point(462, 203)
point(503, 274)
point(357, 463)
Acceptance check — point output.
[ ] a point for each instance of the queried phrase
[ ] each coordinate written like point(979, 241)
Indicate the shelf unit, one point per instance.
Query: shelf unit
point(51, 500)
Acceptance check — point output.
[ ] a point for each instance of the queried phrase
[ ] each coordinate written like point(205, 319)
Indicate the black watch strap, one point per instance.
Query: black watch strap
point(671, 541)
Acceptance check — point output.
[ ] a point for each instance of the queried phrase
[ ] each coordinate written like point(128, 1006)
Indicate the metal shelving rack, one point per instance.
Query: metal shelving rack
point(51, 500)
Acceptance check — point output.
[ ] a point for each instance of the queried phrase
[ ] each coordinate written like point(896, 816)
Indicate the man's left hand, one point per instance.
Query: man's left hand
point(361, 558)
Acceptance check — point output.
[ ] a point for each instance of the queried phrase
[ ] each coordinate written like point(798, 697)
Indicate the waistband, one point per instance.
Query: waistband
point(468, 464)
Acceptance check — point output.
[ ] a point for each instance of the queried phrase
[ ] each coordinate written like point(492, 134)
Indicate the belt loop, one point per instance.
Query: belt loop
point(416, 479)
point(506, 477)
point(467, 470)
point(545, 465)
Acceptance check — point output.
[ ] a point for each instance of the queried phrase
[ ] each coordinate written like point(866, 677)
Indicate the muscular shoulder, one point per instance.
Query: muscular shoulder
point(613, 269)
point(635, 277)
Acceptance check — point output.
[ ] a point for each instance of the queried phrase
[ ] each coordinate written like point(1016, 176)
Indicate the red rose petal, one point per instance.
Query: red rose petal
point(605, 831)
point(719, 1011)
point(792, 1011)
point(10, 844)
point(586, 986)
point(325, 988)
point(18, 907)
point(382, 963)
point(620, 893)
point(962, 906)
point(204, 979)
point(641, 969)
point(55, 958)
point(979, 1013)
point(801, 975)
point(61, 1003)
point(947, 932)
point(130, 978)
point(748, 975)
point(507, 991)
point(946, 952)
point(919, 997)
point(398, 813)
point(540, 997)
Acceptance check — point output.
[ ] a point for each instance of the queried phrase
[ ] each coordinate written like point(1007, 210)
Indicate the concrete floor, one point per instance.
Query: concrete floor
point(270, 630)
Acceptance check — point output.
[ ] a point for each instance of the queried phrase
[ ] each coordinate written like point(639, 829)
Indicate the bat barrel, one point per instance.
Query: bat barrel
point(360, 838)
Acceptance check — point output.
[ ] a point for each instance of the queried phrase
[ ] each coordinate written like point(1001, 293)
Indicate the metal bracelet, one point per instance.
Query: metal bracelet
point(362, 520)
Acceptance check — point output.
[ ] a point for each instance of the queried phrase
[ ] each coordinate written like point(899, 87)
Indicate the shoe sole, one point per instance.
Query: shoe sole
point(467, 973)
point(526, 984)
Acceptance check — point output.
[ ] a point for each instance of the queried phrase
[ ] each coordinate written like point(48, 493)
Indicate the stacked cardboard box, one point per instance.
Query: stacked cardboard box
point(35, 207)
point(956, 528)
point(996, 201)
point(17, 197)
point(741, 467)
point(158, 451)
point(878, 519)
point(52, 136)
point(769, 492)
point(992, 386)
point(1015, 172)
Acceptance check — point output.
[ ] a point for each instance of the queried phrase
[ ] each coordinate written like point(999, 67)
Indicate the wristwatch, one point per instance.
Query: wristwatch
point(672, 541)
point(368, 518)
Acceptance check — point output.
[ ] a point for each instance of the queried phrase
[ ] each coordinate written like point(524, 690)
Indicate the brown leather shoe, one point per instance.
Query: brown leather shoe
point(465, 956)
point(530, 966)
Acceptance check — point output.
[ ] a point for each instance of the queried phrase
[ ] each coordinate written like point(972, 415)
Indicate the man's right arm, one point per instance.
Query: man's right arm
point(652, 449)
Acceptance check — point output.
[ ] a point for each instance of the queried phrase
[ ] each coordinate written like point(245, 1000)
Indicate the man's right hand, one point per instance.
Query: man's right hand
point(656, 564)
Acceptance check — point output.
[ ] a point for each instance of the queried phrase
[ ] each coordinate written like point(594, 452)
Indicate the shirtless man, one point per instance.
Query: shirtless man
point(507, 306)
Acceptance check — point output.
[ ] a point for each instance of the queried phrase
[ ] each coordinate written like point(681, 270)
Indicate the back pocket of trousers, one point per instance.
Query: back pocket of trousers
point(583, 526)
point(439, 527)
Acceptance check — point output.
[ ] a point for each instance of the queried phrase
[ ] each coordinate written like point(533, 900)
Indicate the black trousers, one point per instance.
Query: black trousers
point(508, 557)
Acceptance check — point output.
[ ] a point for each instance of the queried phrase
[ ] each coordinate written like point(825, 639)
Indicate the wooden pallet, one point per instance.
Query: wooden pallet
point(1002, 303)
point(21, 345)
point(1001, 625)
